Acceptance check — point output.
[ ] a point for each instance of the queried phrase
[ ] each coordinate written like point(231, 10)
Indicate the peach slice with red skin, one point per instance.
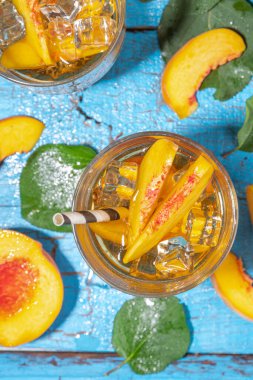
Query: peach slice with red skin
point(19, 134)
point(173, 208)
point(249, 195)
point(31, 289)
point(152, 174)
point(187, 69)
point(234, 286)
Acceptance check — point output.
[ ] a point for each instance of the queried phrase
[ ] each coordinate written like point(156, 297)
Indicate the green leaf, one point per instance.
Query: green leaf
point(48, 182)
point(185, 19)
point(151, 333)
point(245, 134)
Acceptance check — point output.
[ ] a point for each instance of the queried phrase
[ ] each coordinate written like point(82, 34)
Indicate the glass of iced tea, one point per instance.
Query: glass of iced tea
point(178, 210)
point(64, 44)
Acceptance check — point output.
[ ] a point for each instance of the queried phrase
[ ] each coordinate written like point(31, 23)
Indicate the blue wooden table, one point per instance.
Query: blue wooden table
point(127, 100)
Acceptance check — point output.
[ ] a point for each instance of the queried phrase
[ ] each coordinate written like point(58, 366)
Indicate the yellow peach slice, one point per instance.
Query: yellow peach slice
point(115, 231)
point(19, 134)
point(31, 289)
point(187, 69)
point(177, 204)
point(152, 174)
point(249, 194)
point(35, 32)
point(235, 286)
point(129, 170)
point(21, 56)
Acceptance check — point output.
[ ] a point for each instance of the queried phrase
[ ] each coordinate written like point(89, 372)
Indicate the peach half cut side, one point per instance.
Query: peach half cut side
point(31, 289)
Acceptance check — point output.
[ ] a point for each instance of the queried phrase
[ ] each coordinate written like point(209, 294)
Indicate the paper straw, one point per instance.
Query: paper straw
point(84, 217)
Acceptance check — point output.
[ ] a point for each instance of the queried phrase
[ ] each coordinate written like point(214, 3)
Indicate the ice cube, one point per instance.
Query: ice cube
point(174, 256)
point(109, 7)
point(116, 185)
point(145, 266)
point(90, 8)
point(203, 223)
point(61, 37)
point(65, 9)
point(12, 26)
point(94, 31)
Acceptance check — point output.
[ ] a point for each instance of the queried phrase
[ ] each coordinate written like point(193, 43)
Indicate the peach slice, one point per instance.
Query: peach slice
point(177, 204)
point(35, 32)
point(188, 68)
point(115, 231)
point(249, 195)
point(21, 56)
point(19, 134)
point(152, 174)
point(234, 286)
point(31, 289)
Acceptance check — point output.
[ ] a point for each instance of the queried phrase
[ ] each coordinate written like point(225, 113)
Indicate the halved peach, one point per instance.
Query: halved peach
point(19, 134)
point(249, 194)
point(31, 289)
point(235, 286)
point(35, 31)
point(187, 69)
point(21, 56)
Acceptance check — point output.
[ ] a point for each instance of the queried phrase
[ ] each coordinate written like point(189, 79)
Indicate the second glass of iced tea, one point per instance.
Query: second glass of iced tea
point(178, 219)
point(64, 44)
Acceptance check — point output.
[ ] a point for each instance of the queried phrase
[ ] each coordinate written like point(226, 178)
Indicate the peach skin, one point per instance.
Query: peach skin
point(234, 286)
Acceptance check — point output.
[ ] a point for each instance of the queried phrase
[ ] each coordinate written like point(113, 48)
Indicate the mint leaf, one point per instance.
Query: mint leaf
point(245, 134)
point(48, 182)
point(185, 19)
point(150, 333)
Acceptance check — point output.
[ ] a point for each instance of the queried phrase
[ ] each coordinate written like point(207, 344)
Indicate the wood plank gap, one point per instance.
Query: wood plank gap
point(137, 29)
point(104, 355)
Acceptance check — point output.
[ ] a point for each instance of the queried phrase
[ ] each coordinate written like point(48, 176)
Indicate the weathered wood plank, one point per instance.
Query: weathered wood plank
point(89, 366)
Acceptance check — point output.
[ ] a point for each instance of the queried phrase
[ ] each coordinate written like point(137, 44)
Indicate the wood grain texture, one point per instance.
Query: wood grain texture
point(126, 101)
point(65, 366)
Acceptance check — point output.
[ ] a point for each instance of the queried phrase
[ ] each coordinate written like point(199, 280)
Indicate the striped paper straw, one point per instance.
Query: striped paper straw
point(84, 217)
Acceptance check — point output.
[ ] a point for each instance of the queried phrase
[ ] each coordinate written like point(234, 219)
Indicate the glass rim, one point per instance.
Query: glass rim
point(26, 80)
point(203, 274)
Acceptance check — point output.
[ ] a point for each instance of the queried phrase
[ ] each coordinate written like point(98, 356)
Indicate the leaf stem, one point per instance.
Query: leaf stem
point(226, 154)
point(130, 357)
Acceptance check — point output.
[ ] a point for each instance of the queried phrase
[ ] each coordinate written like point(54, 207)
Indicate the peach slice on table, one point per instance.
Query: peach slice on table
point(249, 195)
point(234, 286)
point(19, 134)
point(21, 56)
point(152, 174)
point(186, 70)
point(174, 207)
point(35, 32)
point(31, 289)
